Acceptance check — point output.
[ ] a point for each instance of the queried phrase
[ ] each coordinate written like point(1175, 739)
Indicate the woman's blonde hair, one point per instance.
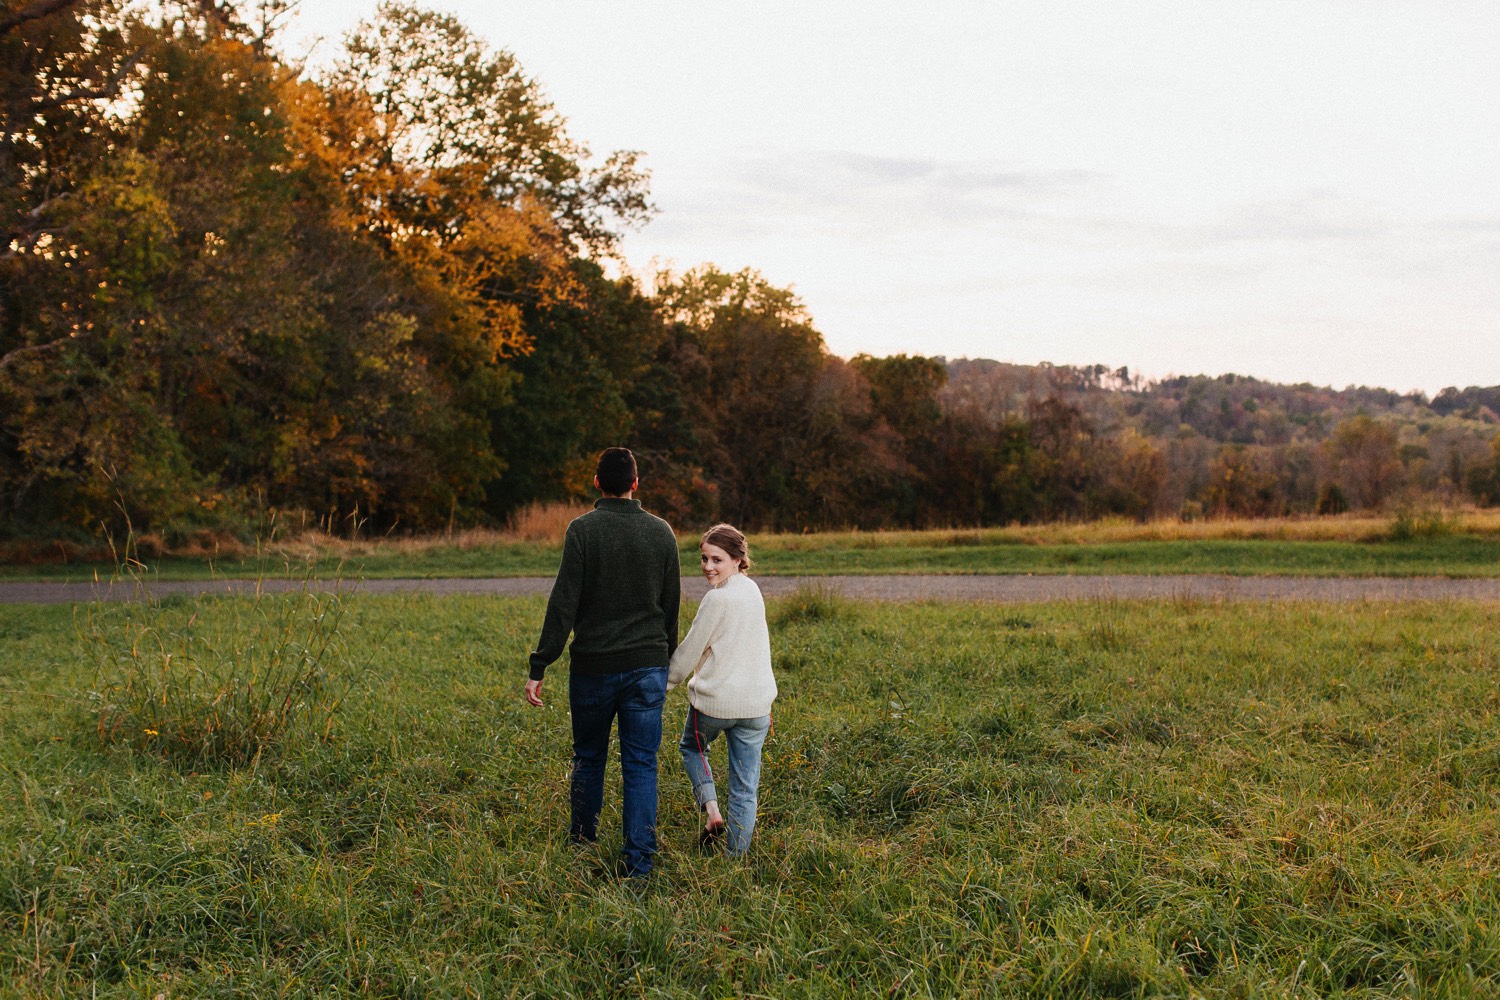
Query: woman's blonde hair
point(731, 540)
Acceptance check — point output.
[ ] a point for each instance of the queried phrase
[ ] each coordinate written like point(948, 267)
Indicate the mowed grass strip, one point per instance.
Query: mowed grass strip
point(1174, 798)
point(1451, 555)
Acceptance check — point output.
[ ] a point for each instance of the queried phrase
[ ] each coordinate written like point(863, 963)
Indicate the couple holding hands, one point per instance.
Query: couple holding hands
point(617, 591)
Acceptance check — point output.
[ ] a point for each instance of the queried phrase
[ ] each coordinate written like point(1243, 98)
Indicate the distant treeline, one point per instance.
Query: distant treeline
point(382, 295)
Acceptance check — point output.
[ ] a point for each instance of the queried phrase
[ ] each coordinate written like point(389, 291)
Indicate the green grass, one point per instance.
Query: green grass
point(1174, 798)
point(933, 552)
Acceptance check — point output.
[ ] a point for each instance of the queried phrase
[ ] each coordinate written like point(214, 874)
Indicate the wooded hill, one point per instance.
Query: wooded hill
point(1238, 445)
point(381, 294)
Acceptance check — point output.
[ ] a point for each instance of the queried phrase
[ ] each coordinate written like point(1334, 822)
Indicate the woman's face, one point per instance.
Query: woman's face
point(717, 565)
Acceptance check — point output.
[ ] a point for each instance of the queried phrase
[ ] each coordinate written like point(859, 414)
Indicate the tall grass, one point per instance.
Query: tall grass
point(1178, 798)
point(530, 537)
point(543, 522)
point(810, 602)
point(1362, 527)
point(224, 684)
point(1414, 520)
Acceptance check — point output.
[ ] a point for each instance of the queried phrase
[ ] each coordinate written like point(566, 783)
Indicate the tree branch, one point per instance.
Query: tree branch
point(109, 88)
point(32, 219)
point(9, 356)
point(39, 9)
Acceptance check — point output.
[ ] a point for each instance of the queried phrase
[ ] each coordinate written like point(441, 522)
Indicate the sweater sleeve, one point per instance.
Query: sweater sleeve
point(562, 607)
point(699, 641)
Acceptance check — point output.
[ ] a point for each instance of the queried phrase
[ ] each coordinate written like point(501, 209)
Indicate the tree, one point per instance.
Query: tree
point(1242, 482)
point(794, 440)
point(75, 431)
point(1483, 480)
point(445, 104)
point(1132, 476)
point(903, 392)
point(1364, 453)
point(1066, 447)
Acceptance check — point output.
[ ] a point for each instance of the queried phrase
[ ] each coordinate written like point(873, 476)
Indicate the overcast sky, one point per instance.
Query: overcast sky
point(1302, 191)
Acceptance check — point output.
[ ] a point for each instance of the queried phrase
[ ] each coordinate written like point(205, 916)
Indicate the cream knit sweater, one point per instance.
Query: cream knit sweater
point(728, 652)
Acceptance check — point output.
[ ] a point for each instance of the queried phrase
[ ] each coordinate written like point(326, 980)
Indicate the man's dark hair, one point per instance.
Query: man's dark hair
point(616, 471)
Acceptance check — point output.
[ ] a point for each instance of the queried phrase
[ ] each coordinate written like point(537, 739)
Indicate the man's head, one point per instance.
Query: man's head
point(616, 475)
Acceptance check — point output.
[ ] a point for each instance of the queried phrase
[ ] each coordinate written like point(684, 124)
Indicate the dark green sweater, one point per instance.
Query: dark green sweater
point(617, 590)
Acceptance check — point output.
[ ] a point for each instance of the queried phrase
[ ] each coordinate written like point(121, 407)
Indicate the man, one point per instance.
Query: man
point(617, 591)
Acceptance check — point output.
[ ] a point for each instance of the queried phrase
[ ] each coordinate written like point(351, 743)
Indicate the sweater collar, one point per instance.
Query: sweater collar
point(619, 504)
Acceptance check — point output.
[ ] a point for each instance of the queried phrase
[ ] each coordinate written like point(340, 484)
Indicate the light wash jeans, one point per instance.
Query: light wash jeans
point(745, 738)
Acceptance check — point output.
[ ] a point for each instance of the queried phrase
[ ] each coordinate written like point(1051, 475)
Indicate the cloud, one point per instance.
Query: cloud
point(982, 258)
point(1313, 216)
point(873, 197)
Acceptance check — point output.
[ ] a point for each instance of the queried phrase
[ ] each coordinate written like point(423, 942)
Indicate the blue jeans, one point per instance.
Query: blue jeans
point(745, 738)
point(636, 698)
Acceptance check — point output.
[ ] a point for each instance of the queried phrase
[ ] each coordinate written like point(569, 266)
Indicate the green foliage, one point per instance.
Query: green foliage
point(958, 800)
point(452, 105)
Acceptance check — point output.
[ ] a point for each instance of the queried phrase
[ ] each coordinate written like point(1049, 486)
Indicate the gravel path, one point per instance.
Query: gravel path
point(1003, 589)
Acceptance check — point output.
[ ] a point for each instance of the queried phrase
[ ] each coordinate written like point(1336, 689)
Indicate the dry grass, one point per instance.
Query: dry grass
point(546, 523)
point(1363, 527)
point(543, 522)
point(538, 522)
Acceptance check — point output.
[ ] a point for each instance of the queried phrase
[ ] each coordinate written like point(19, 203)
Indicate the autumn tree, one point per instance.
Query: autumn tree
point(1242, 483)
point(1363, 451)
point(445, 104)
point(224, 282)
point(1132, 476)
point(1483, 478)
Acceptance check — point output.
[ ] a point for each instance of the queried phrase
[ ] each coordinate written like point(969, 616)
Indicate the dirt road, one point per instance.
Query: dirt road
point(1001, 589)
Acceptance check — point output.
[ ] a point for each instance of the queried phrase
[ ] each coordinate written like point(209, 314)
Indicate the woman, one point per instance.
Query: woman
point(728, 653)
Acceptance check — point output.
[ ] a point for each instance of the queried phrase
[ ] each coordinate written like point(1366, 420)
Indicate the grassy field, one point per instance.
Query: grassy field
point(1456, 545)
point(1073, 800)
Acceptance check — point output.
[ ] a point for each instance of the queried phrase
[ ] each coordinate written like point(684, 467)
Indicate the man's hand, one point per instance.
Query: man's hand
point(534, 692)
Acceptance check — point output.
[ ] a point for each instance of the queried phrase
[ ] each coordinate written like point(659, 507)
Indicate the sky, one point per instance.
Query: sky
point(1303, 191)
